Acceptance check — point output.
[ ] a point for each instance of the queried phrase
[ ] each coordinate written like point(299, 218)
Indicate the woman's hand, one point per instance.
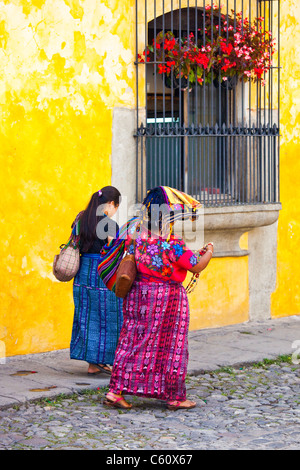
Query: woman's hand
point(205, 259)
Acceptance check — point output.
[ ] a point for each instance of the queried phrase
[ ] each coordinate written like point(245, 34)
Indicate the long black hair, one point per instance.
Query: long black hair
point(89, 218)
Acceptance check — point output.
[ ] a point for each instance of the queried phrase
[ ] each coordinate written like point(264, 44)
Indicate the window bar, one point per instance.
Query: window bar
point(211, 140)
point(208, 145)
point(204, 106)
point(162, 155)
point(213, 124)
point(234, 97)
point(145, 139)
point(172, 157)
point(278, 105)
point(196, 87)
point(188, 39)
point(172, 90)
point(155, 77)
point(180, 110)
point(255, 144)
point(142, 165)
point(259, 138)
point(242, 80)
point(242, 124)
point(137, 100)
point(197, 193)
point(236, 156)
point(227, 120)
point(209, 124)
point(269, 129)
point(156, 140)
point(219, 139)
point(164, 90)
point(186, 98)
point(195, 113)
point(200, 167)
point(249, 160)
point(271, 105)
point(266, 150)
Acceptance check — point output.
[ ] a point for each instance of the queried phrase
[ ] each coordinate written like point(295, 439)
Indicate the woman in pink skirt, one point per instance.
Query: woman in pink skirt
point(152, 354)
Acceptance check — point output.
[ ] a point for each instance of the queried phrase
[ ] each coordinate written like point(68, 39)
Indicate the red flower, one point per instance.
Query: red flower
point(259, 72)
point(169, 44)
point(226, 48)
point(226, 66)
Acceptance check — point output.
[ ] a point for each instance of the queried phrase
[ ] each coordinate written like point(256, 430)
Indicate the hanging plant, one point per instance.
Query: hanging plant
point(228, 48)
point(244, 50)
point(180, 59)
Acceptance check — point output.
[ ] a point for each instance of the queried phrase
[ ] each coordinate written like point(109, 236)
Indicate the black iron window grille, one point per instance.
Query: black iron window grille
point(213, 136)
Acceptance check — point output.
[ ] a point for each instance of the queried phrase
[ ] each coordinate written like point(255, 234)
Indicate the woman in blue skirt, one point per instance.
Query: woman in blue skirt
point(98, 312)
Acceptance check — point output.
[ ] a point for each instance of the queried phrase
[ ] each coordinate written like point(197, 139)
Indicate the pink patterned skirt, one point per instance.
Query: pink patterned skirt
point(152, 354)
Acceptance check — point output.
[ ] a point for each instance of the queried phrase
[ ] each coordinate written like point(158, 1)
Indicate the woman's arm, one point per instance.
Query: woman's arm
point(204, 260)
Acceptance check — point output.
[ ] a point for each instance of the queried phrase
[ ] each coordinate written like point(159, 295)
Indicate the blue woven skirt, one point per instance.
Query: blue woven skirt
point(97, 318)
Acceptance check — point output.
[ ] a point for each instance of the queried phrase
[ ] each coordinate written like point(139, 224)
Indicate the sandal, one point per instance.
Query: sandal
point(180, 405)
point(102, 368)
point(117, 401)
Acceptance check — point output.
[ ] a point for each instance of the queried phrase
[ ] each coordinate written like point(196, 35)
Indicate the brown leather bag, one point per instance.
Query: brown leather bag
point(125, 276)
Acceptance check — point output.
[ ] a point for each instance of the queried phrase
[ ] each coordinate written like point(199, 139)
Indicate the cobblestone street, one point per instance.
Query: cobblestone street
point(254, 407)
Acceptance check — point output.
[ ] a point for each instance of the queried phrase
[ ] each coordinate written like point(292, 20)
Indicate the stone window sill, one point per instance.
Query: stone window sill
point(225, 226)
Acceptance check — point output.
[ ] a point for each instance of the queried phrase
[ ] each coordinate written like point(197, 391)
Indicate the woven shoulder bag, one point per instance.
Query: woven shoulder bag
point(66, 264)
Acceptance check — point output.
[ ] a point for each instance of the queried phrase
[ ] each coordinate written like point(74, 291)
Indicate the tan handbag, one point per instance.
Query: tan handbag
point(125, 276)
point(66, 264)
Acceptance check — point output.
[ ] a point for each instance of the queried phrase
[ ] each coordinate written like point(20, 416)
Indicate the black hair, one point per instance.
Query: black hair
point(90, 217)
point(155, 197)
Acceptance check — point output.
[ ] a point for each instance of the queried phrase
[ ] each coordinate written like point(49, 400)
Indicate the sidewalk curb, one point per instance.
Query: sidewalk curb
point(50, 374)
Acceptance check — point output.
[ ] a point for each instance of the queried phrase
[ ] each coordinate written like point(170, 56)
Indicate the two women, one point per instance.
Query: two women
point(152, 353)
point(98, 312)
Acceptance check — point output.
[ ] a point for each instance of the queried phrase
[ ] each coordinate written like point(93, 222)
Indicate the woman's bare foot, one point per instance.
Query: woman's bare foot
point(95, 369)
point(117, 401)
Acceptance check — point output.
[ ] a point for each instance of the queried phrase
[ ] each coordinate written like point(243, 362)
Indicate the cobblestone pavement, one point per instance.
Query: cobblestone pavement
point(254, 407)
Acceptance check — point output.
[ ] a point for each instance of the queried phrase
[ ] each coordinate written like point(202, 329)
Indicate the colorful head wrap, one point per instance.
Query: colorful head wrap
point(180, 205)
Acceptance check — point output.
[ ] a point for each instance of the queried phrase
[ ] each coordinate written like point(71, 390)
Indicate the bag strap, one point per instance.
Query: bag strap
point(74, 239)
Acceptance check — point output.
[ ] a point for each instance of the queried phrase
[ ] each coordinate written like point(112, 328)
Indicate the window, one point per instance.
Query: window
point(216, 138)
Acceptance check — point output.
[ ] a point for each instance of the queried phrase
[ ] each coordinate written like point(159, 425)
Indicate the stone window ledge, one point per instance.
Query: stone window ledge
point(225, 226)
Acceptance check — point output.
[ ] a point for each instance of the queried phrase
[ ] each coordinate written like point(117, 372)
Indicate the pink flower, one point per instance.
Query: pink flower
point(145, 259)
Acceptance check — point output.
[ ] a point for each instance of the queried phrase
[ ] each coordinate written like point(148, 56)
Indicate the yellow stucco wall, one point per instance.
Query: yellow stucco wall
point(219, 299)
point(64, 66)
point(286, 298)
